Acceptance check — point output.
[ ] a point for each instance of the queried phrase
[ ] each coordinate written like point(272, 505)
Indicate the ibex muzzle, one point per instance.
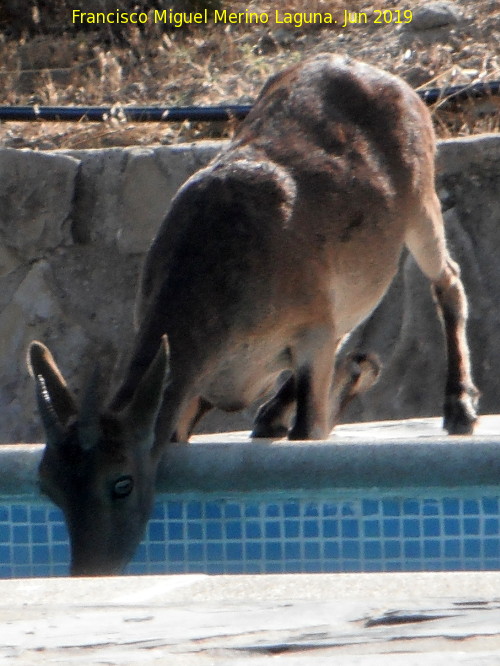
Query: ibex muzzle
point(266, 260)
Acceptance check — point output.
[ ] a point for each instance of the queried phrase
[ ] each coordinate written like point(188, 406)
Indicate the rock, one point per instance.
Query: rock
point(36, 198)
point(123, 195)
point(434, 15)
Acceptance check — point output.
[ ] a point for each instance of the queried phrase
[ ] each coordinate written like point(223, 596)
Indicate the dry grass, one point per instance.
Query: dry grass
point(228, 64)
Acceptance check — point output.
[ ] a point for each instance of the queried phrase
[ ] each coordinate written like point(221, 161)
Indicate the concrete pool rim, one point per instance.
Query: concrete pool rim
point(388, 455)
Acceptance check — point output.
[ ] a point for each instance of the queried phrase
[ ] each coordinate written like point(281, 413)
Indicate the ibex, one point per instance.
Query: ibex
point(265, 261)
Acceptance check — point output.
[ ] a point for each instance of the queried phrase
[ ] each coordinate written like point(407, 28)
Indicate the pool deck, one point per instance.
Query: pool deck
point(311, 620)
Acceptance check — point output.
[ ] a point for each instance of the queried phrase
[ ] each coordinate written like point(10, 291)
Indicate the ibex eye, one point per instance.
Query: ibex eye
point(123, 487)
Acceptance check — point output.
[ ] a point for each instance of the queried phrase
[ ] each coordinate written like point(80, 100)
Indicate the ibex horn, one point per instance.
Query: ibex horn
point(54, 429)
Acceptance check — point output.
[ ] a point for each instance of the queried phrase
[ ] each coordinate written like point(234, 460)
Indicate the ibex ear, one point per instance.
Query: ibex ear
point(55, 402)
point(142, 411)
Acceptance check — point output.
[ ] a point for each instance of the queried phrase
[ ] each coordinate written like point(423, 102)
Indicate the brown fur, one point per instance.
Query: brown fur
point(268, 258)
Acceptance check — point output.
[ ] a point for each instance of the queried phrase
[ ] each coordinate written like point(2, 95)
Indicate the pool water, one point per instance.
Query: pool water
point(433, 530)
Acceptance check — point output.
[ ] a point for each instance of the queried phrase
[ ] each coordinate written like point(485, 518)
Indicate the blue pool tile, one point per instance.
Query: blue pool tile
point(175, 552)
point(214, 552)
point(39, 533)
point(430, 508)
point(41, 553)
point(411, 528)
point(372, 550)
point(349, 509)
point(390, 508)
point(311, 529)
point(472, 526)
point(194, 531)
point(331, 550)
point(471, 507)
point(158, 511)
point(291, 509)
point(194, 510)
point(350, 549)
point(195, 552)
point(60, 553)
point(175, 531)
point(311, 509)
point(312, 567)
point(253, 550)
point(252, 510)
point(490, 505)
point(392, 548)
point(371, 528)
point(451, 507)
point(390, 528)
point(20, 534)
point(330, 509)
point(22, 555)
point(157, 552)
point(232, 510)
point(58, 532)
point(411, 549)
point(411, 508)
point(370, 507)
point(272, 510)
point(234, 551)
point(452, 526)
point(431, 527)
point(472, 548)
point(272, 530)
point(491, 548)
point(273, 550)
point(156, 531)
point(19, 513)
point(214, 530)
point(253, 530)
point(311, 550)
point(292, 529)
point(491, 526)
point(452, 548)
point(349, 528)
point(213, 510)
point(233, 530)
point(330, 528)
point(292, 550)
point(432, 549)
point(174, 510)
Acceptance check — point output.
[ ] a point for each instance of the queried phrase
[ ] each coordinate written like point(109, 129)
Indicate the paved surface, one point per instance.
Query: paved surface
point(317, 620)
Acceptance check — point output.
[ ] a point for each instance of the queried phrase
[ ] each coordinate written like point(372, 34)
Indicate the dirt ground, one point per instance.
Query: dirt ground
point(68, 64)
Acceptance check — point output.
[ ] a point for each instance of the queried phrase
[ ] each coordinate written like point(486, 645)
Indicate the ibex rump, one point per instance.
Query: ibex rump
point(266, 260)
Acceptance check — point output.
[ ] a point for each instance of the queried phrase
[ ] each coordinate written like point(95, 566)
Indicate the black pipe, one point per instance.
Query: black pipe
point(205, 113)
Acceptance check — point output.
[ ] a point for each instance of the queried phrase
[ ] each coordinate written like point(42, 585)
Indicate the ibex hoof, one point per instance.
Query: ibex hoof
point(265, 430)
point(460, 415)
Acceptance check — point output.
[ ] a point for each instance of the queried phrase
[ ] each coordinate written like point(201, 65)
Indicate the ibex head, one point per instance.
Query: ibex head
point(99, 467)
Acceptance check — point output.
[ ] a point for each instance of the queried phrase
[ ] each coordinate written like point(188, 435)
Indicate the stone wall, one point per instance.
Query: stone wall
point(74, 227)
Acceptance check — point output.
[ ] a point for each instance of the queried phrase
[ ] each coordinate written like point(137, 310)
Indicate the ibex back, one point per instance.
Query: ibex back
point(266, 260)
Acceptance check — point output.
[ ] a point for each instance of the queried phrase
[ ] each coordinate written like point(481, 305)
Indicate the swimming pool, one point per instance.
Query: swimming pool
point(366, 522)
point(278, 534)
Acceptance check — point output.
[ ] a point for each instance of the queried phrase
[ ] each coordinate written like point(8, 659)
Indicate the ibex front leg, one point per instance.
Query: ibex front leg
point(461, 396)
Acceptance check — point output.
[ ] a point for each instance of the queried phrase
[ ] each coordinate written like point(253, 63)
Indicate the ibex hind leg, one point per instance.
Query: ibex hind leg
point(354, 374)
point(427, 244)
point(189, 418)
